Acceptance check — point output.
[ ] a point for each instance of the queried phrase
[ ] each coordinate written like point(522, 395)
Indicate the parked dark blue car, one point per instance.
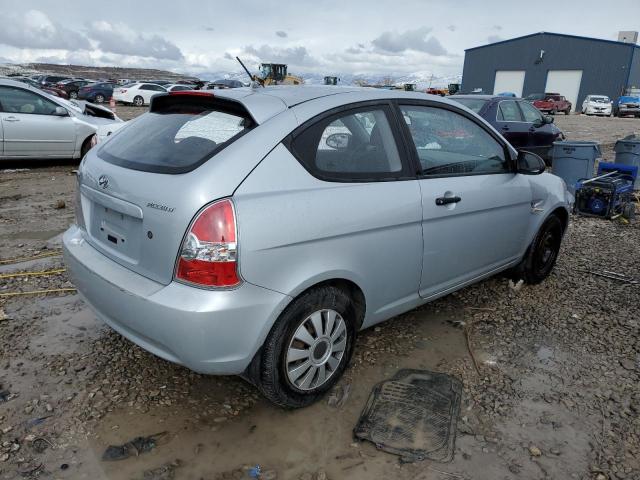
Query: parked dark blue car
point(96, 92)
point(517, 120)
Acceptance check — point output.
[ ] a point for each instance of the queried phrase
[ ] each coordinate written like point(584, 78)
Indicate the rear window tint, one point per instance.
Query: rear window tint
point(475, 104)
point(178, 134)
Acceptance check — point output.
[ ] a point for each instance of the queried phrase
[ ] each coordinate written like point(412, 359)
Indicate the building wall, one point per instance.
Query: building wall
point(634, 73)
point(605, 65)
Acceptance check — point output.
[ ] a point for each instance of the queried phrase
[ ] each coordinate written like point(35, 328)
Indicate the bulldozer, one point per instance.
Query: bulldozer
point(276, 74)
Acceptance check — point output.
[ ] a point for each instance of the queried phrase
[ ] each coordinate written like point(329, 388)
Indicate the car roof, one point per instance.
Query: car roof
point(485, 97)
point(264, 103)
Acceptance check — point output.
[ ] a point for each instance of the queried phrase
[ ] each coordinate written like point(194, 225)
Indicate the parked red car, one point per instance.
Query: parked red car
point(550, 102)
point(58, 92)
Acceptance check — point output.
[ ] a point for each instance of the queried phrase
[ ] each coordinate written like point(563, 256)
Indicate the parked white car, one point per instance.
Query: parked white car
point(34, 124)
point(597, 105)
point(137, 94)
point(177, 87)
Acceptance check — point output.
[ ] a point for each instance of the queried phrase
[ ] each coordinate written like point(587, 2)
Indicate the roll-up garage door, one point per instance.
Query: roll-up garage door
point(509, 81)
point(566, 83)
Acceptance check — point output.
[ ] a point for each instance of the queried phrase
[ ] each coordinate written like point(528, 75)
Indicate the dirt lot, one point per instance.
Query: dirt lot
point(556, 394)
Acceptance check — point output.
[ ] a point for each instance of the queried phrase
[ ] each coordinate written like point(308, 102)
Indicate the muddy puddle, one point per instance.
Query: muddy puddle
point(290, 442)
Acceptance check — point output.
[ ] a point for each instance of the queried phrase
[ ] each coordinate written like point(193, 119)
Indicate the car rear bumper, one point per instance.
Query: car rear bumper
point(212, 332)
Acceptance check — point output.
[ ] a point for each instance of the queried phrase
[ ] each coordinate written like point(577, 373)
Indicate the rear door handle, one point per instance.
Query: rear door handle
point(11, 119)
point(446, 200)
point(505, 128)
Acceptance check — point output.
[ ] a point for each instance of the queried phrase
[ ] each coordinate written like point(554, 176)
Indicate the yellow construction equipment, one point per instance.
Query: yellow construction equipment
point(276, 74)
point(272, 74)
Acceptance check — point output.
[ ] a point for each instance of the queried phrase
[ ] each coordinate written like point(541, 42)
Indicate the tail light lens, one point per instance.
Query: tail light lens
point(208, 255)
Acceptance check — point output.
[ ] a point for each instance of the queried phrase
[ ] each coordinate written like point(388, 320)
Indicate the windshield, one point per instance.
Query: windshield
point(178, 136)
point(600, 99)
point(535, 96)
point(474, 104)
point(629, 99)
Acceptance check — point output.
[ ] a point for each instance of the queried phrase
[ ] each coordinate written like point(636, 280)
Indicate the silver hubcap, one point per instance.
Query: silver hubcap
point(316, 349)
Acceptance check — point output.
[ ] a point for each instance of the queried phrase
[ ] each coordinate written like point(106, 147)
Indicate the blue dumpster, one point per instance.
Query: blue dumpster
point(574, 160)
point(628, 153)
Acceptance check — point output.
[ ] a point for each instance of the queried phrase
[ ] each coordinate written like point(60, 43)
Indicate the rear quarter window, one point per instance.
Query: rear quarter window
point(178, 134)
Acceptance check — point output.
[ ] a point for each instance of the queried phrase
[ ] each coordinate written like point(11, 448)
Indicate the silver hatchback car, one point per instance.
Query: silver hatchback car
point(256, 231)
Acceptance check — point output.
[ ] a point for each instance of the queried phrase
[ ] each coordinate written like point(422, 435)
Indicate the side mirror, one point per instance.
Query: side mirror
point(339, 141)
point(529, 163)
point(548, 119)
point(538, 122)
point(60, 112)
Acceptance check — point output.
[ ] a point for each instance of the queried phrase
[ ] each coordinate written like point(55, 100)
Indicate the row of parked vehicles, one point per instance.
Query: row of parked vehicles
point(132, 92)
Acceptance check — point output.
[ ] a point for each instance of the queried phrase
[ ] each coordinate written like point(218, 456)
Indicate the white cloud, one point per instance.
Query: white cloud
point(34, 29)
point(122, 39)
point(297, 56)
point(418, 40)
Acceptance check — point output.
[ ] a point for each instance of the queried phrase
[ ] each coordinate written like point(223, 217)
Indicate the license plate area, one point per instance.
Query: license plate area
point(116, 232)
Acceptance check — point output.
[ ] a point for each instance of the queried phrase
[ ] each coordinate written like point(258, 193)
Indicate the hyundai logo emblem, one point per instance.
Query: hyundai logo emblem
point(103, 181)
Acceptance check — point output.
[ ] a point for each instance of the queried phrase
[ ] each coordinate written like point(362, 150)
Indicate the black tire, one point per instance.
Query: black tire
point(268, 371)
point(567, 111)
point(553, 112)
point(99, 98)
point(138, 101)
point(73, 94)
point(542, 254)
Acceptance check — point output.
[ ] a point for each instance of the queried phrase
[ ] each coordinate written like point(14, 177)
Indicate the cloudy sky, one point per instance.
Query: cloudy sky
point(322, 36)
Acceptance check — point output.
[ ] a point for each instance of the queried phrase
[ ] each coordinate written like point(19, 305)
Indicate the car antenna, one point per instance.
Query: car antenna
point(255, 80)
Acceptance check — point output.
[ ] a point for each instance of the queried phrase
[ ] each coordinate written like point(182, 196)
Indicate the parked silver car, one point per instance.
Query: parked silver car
point(254, 232)
point(34, 124)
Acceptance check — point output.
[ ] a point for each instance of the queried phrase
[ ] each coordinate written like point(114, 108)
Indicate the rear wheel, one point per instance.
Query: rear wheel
point(308, 348)
point(73, 94)
point(542, 254)
point(99, 98)
point(553, 112)
point(138, 101)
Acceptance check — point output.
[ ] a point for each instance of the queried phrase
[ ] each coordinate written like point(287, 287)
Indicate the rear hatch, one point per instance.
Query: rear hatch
point(141, 189)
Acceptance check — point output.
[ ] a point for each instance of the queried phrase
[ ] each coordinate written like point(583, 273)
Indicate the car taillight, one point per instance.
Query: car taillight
point(208, 255)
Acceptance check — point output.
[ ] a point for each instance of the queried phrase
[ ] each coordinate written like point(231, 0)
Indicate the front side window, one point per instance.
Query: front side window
point(508, 111)
point(448, 143)
point(351, 145)
point(531, 113)
point(17, 100)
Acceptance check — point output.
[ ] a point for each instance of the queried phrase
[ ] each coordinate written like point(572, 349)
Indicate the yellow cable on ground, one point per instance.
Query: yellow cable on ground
point(32, 274)
point(38, 292)
point(25, 259)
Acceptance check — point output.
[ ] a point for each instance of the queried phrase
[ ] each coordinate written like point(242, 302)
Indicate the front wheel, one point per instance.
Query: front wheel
point(308, 348)
point(542, 254)
point(138, 101)
point(567, 111)
point(73, 95)
point(99, 98)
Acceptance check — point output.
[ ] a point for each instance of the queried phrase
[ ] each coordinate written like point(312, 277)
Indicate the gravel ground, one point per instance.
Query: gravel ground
point(555, 393)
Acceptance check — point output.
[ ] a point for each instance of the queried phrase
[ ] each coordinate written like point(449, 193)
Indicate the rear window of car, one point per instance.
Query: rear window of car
point(474, 104)
point(178, 134)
